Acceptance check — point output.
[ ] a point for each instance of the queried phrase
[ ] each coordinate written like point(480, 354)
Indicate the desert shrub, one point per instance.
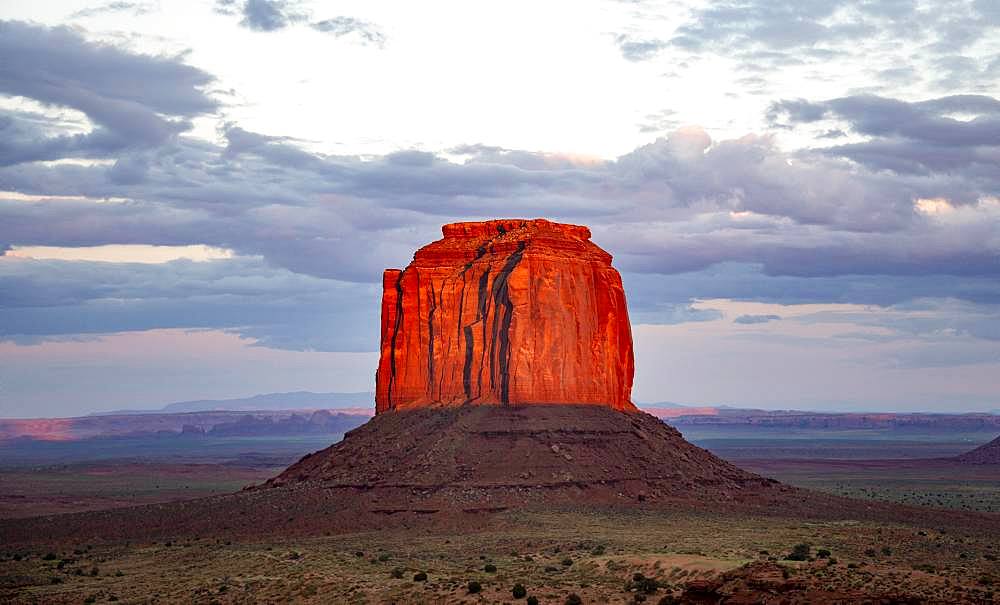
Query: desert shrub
point(474, 587)
point(490, 568)
point(532, 601)
point(887, 551)
point(396, 573)
point(638, 598)
point(550, 569)
point(643, 585)
point(55, 580)
point(668, 600)
point(359, 554)
point(94, 571)
point(800, 552)
point(49, 556)
point(870, 552)
point(90, 599)
point(518, 592)
point(384, 557)
point(567, 561)
point(420, 577)
point(598, 551)
point(119, 574)
point(649, 585)
point(823, 553)
point(573, 599)
point(294, 555)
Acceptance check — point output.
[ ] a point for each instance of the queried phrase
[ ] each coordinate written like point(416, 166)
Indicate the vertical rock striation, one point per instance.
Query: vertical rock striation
point(505, 312)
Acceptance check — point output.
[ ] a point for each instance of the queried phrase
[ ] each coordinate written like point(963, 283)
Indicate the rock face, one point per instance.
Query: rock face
point(505, 312)
point(984, 454)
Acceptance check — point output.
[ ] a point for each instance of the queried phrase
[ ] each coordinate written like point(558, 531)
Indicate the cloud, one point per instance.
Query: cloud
point(755, 319)
point(634, 49)
point(276, 15)
point(59, 67)
point(44, 299)
point(135, 8)
point(270, 15)
point(705, 202)
point(687, 217)
point(365, 32)
point(747, 24)
point(946, 134)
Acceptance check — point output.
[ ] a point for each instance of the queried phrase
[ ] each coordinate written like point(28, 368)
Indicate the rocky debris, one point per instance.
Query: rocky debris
point(505, 312)
point(502, 456)
point(766, 582)
point(984, 454)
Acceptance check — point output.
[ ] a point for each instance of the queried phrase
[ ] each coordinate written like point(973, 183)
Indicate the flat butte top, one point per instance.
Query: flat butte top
point(466, 242)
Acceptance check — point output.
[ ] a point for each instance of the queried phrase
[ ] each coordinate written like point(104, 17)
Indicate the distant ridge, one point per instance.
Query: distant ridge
point(984, 454)
point(296, 400)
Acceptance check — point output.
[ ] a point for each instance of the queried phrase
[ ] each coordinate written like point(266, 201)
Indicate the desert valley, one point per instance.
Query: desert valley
point(471, 485)
point(376, 302)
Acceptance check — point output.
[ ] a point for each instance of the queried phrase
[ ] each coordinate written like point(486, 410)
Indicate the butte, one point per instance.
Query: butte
point(505, 378)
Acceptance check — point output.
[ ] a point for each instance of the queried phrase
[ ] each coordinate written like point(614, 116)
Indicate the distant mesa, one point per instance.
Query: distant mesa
point(984, 454)
point(353, 403)
point(505, 312)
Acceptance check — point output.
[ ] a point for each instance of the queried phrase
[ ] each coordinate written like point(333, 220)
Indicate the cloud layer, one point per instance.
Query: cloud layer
point(894, 204)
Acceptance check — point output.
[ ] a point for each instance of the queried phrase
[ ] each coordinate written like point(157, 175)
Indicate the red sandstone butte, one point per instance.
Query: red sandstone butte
point(505, 312)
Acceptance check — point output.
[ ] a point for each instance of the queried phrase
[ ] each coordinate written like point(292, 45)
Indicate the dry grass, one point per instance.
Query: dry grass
point(551, 554)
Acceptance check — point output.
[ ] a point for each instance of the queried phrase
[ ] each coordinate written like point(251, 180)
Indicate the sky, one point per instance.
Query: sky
point(197, 199)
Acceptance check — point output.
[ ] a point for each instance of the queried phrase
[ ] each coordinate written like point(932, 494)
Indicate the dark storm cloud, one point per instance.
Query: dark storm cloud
point(58, 67)
point(367, 33)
